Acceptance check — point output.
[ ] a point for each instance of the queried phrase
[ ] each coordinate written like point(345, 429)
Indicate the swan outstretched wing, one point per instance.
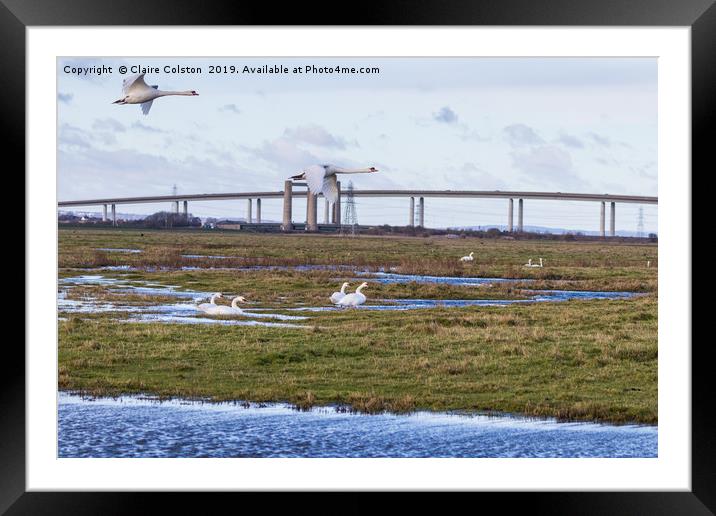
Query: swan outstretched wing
point(330, 188)
point(315, 178)
point(133, 82)
point(146, 106)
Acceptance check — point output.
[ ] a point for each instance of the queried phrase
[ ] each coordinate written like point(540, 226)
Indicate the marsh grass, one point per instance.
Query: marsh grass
point(581, 360)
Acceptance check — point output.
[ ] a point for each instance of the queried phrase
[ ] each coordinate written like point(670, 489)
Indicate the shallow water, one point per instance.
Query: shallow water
point(138, 427)
point(118, 250)
point(181, 313)
point(390, 277)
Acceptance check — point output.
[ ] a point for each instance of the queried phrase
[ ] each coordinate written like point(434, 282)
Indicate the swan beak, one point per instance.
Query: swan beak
point(194, 94)
point(373, 169)
point(120, 101)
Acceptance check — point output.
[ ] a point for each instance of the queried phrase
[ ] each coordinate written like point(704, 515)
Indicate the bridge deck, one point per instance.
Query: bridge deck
point(495, 194)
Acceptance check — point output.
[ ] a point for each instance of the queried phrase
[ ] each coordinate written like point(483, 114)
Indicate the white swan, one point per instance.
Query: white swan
point(337, 296)
point(228, 310)
point(322, 178)
point(468, 258)
point(354, 299)
point(136, 91)
point(204, 307)
point(530, 264)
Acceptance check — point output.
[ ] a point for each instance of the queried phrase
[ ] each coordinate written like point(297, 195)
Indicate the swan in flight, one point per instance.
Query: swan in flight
point(205, 307)
point(354, 299)
point(228, 310)
point(322, 178)
point(337, 296)
point(468, 258)
point(136, 91)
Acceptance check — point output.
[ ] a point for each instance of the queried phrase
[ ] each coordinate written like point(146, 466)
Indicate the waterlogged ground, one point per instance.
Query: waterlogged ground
point(140, 427)
point(575, 339)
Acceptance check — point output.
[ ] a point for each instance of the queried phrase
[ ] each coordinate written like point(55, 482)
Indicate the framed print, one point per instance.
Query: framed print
point(422, 252)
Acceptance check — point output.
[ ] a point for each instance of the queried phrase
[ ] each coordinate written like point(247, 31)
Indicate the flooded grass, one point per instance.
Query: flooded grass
point(589, 359)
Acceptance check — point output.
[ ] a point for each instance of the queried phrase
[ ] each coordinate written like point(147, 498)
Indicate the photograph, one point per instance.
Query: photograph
point(357, 257)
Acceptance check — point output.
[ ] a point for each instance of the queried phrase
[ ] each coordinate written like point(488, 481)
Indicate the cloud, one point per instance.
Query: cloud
point(471, 176)
point(570, 141)
point(601, 140)
point(142, 127)
point(71, 136)
point(231, 108)
point(548, 164)
point(314, 135)
point(65, 98)
point(518, 135)
point(284, 154)
point(445, 115)
point(108, 124)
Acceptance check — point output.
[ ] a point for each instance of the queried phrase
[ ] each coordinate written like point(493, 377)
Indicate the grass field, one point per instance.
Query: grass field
point(593, 360)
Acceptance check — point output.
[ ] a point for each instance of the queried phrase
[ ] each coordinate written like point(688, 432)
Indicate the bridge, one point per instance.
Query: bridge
point(332, 212)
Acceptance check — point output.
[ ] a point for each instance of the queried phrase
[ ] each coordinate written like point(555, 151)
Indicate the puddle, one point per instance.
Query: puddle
point(118, 250)
point(137, 426)
point(185, 313)
point(210, 256)
point(390, 277)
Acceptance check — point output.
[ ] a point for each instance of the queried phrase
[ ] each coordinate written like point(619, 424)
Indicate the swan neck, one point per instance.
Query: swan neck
point(343, 288)
point(351, 170)
point(162, 93)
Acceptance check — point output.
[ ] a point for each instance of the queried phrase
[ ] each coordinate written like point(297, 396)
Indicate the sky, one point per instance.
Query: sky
point(586, 125)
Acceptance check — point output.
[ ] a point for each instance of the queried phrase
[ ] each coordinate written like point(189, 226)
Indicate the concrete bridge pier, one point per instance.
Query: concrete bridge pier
point(258, 211)
point(422, 212)
point(612, 220)
point(176, 207)
point(520, 212)
point(510, 214)
point(186, 208)
point(104, 213)
point(249, 213)
point(287, 224)
point(326, 211)
point(311, 212)
point(114, 214)
point(602, 233)
point(411, 220)
point(337, 207)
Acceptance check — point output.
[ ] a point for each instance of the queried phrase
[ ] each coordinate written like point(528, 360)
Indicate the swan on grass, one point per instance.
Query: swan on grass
point(530, 264)
point(136, 91)
point(354, 299)
point(205, 307)
point(322, 178)
point(228, 310)
point(337, 296)
point(467, 258)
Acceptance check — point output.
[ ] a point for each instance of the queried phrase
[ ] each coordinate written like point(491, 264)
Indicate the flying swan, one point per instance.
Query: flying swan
point(136, 91)
point(228, 310)
point(354, 299)
point(322, 178)
point(467, 258)
point(337, 296)
point(205, 307)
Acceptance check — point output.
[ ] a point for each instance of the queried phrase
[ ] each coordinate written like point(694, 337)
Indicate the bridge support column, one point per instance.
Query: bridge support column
point(337, 207)
point(176, 207)
point(104, 213)
point(612, 220)
point(422, 212)
point(411, 219)
point(114, 215)
point(249, 214)
point(186, 208)
point(510, 214)
point(287, 224)
point(520, 212)
point(258, 211)
point(326, 211)
point(311, 211)
point(602, 233)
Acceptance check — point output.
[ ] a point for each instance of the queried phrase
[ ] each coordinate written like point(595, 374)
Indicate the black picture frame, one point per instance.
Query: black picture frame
point(17, 15)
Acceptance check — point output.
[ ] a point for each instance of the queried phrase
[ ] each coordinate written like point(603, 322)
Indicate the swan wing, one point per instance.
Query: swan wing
point(337, 296)
point(314, 177)
point(330, 188)
point(134, 82)
point(146, 106)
